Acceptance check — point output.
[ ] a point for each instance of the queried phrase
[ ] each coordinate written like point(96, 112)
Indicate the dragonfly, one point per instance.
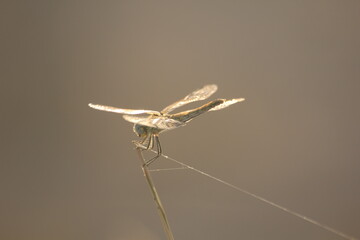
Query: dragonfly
point(148, 124)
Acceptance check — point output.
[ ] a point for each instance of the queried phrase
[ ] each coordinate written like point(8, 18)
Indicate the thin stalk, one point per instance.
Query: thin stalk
point(159, 205)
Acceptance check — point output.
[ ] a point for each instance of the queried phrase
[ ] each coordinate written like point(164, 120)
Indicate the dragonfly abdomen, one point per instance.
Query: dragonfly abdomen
point(188, 115)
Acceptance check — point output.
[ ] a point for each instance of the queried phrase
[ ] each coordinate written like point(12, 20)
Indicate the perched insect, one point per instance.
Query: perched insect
point(148, 127)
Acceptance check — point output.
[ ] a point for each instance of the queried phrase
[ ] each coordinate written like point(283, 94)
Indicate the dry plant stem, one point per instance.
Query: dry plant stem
point(160, 207)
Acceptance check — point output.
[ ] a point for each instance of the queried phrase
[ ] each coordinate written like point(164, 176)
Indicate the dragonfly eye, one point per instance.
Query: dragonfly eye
point(140, 130)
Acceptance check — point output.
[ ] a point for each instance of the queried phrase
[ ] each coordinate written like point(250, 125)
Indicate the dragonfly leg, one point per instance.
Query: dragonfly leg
point(145, 143)
point(149, 140)
point(158, 150)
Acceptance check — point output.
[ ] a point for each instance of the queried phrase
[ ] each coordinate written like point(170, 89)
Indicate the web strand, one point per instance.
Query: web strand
point(310, 220)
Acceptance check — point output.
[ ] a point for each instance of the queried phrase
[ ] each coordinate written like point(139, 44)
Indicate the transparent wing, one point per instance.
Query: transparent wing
point(159, 122)
point(121, 110)
point(197, 95)
point(227, 103)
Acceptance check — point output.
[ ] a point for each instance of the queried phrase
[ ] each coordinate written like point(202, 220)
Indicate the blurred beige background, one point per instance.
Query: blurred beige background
point(69, 172)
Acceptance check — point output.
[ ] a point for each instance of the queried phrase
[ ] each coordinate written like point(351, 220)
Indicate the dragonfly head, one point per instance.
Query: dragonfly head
point(140, 130)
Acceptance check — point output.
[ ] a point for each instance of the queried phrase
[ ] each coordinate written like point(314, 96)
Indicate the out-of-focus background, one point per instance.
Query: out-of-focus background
point(70, 172)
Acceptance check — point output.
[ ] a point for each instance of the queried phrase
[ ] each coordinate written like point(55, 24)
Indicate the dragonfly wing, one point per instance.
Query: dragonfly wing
point(135, 119)
point(159, 122)
point(121, 110)
point(197, 95)
point(227, 103)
